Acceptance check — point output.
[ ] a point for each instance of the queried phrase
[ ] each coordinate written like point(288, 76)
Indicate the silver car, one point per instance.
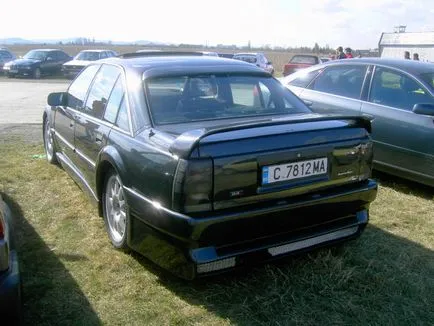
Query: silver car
point(398, 95)
point(257, 59)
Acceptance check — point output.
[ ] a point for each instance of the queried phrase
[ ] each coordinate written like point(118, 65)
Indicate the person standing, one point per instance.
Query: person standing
point(416, 56)
point(407, 55)
point(340, 53)
point(349, 53)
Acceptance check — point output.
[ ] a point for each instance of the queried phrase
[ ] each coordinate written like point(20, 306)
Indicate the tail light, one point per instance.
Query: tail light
point(193, 185)
point(366, 154)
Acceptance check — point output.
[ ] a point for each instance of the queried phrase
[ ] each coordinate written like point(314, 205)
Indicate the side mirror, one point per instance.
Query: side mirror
point(426, 109)
point(57, 99)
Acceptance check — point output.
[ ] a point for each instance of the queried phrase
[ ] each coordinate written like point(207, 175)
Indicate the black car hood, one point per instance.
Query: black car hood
point(25, 61)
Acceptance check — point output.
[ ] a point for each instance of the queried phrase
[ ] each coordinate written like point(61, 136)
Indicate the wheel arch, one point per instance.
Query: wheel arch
point(109, 159)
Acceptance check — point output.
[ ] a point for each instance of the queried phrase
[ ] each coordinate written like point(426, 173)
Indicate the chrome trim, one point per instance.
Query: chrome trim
point(155, 204)
point(67, 143)
point(62, 157)
point(297, 245)
point(88, 160)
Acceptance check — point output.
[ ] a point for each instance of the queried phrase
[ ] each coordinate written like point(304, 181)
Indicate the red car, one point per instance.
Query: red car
point(300, 61)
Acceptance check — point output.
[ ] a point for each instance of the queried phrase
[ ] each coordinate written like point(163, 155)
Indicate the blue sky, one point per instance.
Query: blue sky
point(353, 23)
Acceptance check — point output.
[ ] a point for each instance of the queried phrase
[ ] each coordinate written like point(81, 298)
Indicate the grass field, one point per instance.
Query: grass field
point(72, 275)
point(279, 59)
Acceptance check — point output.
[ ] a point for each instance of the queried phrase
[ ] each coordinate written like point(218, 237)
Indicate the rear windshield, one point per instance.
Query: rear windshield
point(307, 59)
point(429, 79)
point(184, 99)
point(246, 58)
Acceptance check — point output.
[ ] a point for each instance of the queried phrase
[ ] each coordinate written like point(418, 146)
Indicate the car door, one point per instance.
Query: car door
point(403, 139)
point(65, 116)
point(48, 66)
point(337, 89)
point(91, 130)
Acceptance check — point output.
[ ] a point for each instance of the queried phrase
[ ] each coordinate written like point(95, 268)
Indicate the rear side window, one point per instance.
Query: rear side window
point(213, 97)
point(341, 80)
point(392, 88)
point(114, 102)
point(100, 91)
point(78, 89)
point(303, 79)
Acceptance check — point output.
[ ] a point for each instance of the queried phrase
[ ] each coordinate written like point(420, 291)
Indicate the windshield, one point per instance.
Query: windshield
point(429, 79)
point(87, 56)
point(36, 55)
point(183, 99)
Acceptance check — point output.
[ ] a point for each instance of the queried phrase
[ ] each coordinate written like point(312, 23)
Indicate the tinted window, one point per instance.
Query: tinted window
point(395, 89)
point(36, 55)
point(114, 102)
point(210, 97)
point(122, 119)
point(100, 91)
point(246, 58)
point(303, 79)
point(429, 79)
point(341, 80)
point(5, 55)
point(78, 89)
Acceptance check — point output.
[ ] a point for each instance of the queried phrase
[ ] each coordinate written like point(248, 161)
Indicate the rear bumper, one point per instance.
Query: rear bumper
point(191, 247)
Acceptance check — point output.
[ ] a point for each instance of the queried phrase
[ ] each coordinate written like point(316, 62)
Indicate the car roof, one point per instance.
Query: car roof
point(410, 66)
point(166, 65)
point(101, 50)
point(45, 50)
point(248, 53)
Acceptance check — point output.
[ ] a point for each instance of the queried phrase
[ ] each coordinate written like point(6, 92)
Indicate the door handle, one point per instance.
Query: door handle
point(98, 138)
point(71, 124)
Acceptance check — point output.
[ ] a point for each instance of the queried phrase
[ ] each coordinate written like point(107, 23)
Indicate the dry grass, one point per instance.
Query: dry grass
point(278, 58)
point(72, 275)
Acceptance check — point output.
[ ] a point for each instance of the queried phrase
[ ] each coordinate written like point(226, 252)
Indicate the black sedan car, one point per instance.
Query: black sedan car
point(10, 281)
point(398, 95)
point(37, 63)
point(204, 164)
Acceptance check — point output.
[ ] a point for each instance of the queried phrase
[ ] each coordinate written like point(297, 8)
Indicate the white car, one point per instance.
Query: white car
point(257, 59)
point(82, 59)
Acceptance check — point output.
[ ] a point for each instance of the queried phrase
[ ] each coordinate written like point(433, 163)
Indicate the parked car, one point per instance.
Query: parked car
point(82, 59)
point(204, 164)
point(5, 56)
point(10, 281)
point(37, 63)
point(301, 61)
point(226, 55)
point(396, 94)
point(257, 59)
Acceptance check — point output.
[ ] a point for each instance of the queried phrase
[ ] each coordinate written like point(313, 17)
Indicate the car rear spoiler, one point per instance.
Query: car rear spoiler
point(185, 143)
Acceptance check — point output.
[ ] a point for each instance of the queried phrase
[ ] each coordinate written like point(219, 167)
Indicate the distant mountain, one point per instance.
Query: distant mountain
point(15, 40)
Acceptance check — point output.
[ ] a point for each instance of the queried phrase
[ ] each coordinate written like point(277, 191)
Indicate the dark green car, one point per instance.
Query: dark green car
point(204, 164)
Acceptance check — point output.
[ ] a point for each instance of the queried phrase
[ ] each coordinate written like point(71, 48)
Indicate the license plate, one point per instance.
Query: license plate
point(294, 170)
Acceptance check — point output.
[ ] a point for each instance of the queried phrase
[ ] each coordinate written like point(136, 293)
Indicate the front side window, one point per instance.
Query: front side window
point(213, 97)
point(341, 80)
point(100, 91)
point(395, 89)
point(78, 89)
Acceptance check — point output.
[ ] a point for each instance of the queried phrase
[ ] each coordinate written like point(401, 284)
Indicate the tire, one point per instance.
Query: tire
point(115, 211)
point(37, 73)
point(50, 149)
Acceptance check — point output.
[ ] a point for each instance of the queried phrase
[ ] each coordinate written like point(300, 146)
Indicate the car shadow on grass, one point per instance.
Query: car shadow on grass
point(380, 279)
point(49, 291)
point(404, 185)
